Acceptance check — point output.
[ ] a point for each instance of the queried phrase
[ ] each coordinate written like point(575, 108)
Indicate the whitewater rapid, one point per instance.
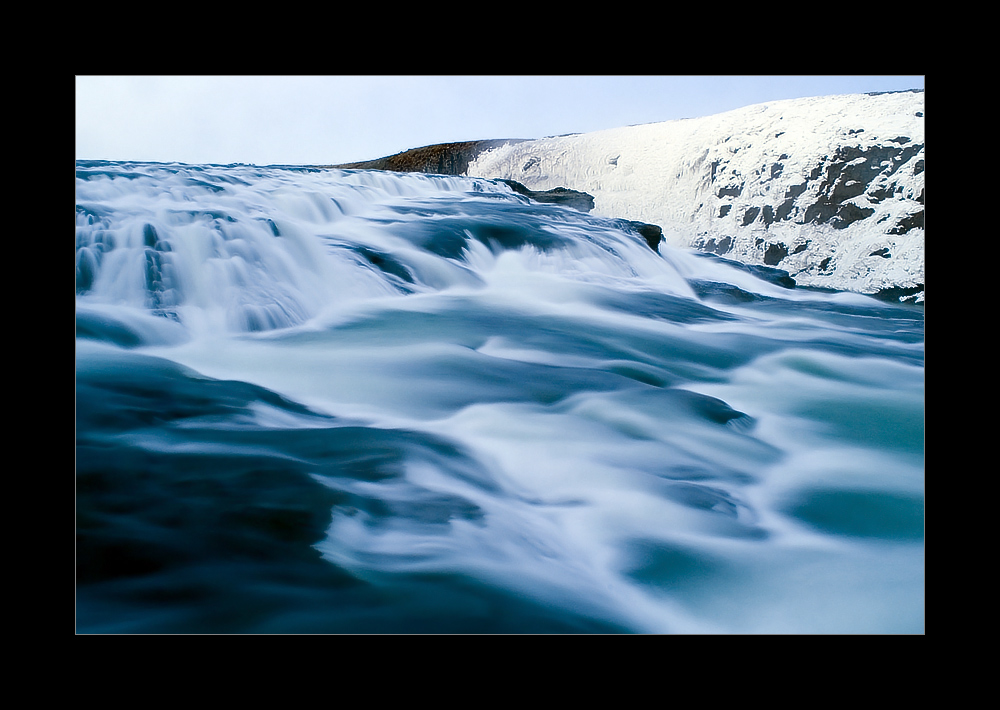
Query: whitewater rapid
point(354, 401)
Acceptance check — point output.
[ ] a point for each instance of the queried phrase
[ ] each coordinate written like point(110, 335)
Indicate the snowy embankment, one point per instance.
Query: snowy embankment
point(829, 189)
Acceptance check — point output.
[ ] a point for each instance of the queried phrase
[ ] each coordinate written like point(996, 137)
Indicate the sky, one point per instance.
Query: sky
point(324, 120)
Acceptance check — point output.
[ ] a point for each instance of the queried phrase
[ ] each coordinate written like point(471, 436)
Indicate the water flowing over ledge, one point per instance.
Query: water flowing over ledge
point(356, 401)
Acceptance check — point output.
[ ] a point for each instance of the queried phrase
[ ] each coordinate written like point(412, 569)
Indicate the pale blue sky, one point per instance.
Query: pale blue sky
point(301, 120)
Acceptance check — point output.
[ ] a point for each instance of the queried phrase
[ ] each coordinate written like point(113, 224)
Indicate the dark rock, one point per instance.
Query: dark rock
point(652, 233)
point(149, 236)
point(847, 176)
point(767, 215)
point(724, 210)
point(915, 220)
point(877, 194)
point(722, 292)
point(557, 195)
point(849, 214)
point(883, 252)
point(716, 246)
point(732, 191)
point(872, 161)
point(785, 209)
point(845, 189)
point(819, 212)
point(896, 294)
point(775, 253)
point(750, 215)
point(839, 216)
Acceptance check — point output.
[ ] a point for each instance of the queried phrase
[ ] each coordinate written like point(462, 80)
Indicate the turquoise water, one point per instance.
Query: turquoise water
point(322, 401)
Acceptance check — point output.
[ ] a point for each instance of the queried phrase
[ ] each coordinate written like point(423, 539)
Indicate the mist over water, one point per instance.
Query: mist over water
point(361, 402)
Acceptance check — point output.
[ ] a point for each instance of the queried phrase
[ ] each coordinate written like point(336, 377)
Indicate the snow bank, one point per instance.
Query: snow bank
point(829, 189)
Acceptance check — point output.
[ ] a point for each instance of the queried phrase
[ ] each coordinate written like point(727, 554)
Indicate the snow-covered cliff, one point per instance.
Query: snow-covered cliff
point(830, 189)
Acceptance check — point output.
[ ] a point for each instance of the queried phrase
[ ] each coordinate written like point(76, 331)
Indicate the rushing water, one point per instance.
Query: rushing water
point(352, 401)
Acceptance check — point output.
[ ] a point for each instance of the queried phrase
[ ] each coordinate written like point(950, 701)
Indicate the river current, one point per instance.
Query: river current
point(335, 401)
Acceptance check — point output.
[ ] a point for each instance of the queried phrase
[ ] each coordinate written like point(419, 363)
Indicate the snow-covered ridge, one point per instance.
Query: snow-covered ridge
point(830, 189)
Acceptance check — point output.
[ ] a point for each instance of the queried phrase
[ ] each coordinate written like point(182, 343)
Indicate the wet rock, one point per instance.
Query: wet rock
point(652, 233)
point(558, 195)
point(777, 277)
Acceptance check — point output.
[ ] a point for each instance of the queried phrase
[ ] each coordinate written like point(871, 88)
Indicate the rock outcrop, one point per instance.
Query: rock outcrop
point(652, 233)
point(558, 196)
point(439, 159)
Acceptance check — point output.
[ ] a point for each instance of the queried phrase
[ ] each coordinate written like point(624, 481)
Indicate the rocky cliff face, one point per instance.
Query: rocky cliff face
point(829, 189)
point(848, 216)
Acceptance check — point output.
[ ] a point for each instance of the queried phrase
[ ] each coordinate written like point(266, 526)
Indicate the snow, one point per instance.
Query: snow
point(678, 174)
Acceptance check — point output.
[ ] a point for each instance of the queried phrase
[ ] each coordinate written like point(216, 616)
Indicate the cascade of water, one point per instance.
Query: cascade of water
point(336, 400)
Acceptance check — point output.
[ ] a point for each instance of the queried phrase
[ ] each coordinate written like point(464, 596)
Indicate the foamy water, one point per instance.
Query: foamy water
point(353, 401)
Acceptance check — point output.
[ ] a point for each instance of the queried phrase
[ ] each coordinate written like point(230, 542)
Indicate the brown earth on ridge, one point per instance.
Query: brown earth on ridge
point(440, 159)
